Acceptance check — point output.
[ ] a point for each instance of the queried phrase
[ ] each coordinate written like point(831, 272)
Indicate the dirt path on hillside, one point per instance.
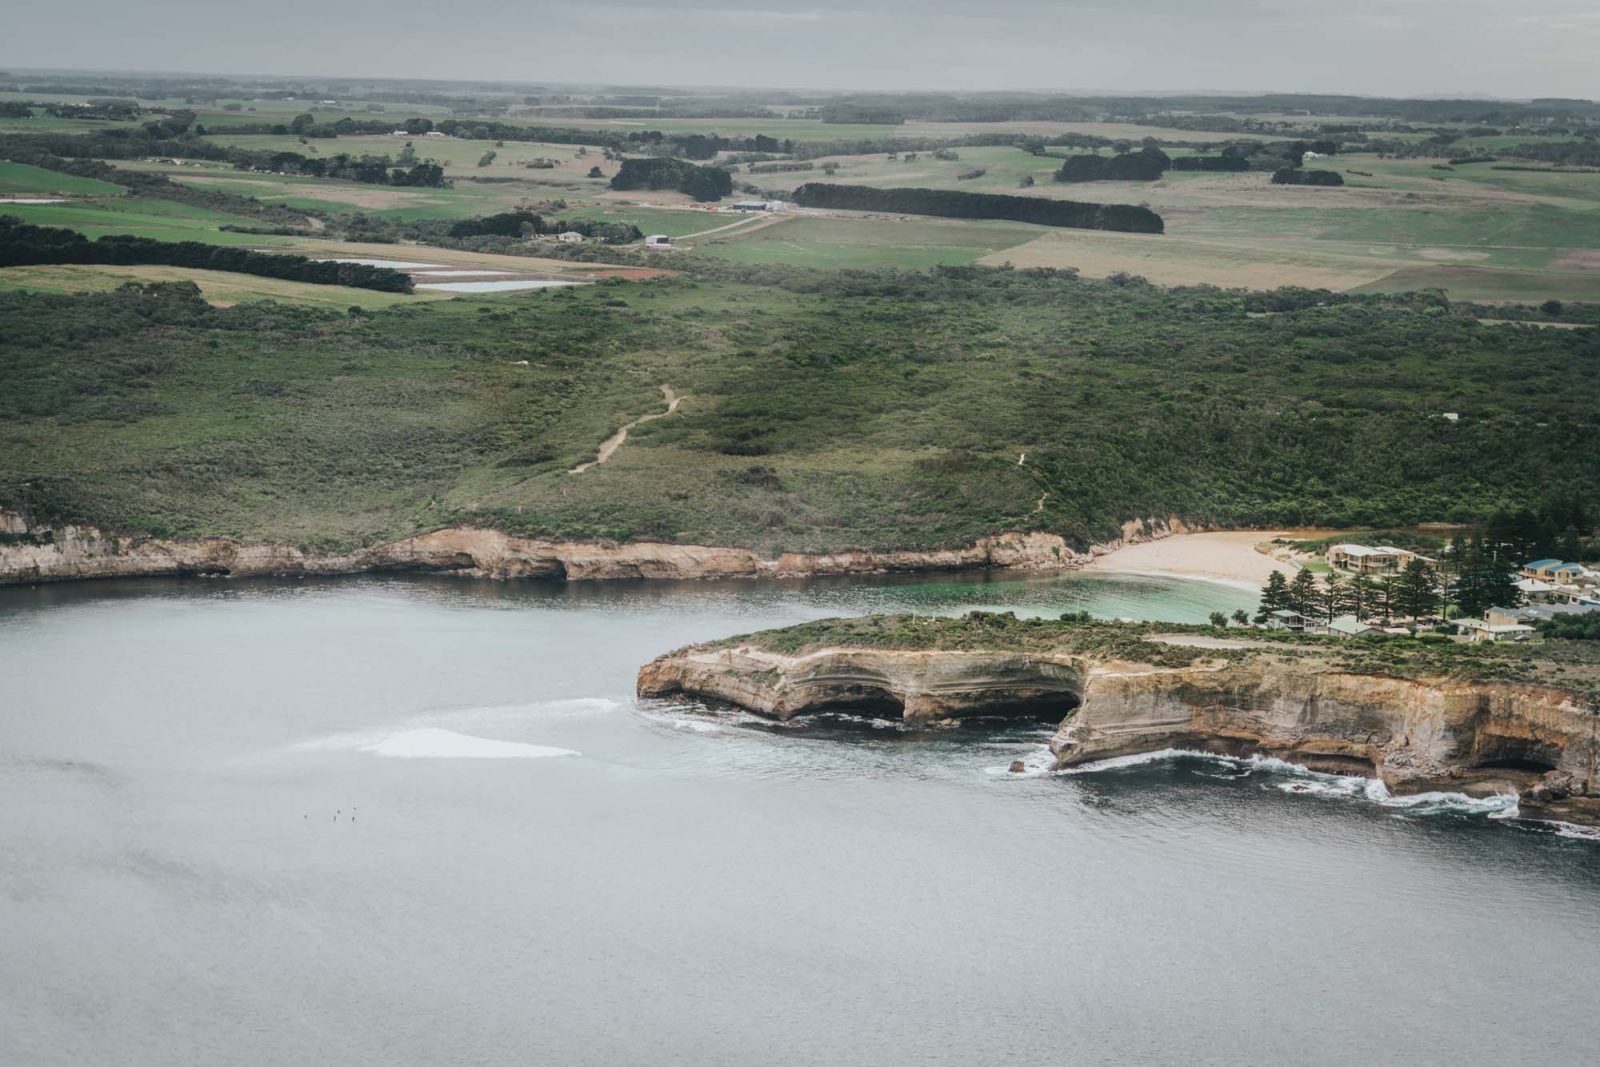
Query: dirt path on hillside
point(609, 446)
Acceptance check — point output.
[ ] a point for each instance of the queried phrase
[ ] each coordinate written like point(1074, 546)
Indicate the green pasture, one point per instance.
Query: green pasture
point(861, 242)
point(19, 179)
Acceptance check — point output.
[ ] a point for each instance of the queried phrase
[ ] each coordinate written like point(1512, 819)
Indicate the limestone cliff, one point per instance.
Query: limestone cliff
point(1415, 734)
point(30, 553)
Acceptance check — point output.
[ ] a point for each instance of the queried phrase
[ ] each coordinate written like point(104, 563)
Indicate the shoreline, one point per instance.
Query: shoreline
point(1229, 557)
point(1156, 547)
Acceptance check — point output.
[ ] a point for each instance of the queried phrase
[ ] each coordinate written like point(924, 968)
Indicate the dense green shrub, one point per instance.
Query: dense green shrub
point(1145, 165)
point(962, 205)
point(22, 244)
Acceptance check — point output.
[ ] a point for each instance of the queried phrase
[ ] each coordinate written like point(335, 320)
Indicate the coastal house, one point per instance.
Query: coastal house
point(750, 205)
point(1369, 559)
point(1554, 570)
point(1480, 630)
point(571, 237)
point(1567, 573)
point(1284, 619)
point(1350, 626)
point(1532, 613)
point(658, 240)
point(1537, 592)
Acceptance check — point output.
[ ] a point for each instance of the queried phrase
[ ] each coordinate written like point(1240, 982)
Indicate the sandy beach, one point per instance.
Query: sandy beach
point(1223, 555)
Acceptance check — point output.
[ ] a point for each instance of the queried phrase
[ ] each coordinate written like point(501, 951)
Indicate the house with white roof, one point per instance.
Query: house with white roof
point(1482, 630)
point(1350, 626)
point(1369, 559)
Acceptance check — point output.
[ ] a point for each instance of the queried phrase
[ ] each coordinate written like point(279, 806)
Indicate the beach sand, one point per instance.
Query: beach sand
point(1222, 555)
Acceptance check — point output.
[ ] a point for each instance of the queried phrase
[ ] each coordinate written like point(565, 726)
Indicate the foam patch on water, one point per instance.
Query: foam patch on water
point(1303, 781)
point(1189, 576)
point(433, 743)
point(1037, 762)
point(1501, 805)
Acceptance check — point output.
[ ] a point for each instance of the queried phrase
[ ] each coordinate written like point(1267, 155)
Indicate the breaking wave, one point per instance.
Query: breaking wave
point(1305, 782)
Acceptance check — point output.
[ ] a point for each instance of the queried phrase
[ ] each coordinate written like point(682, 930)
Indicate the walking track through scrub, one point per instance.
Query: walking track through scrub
point(609, 446)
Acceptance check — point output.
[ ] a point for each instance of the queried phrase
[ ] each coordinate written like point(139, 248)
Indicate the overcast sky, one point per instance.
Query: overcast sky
point(1380, 47)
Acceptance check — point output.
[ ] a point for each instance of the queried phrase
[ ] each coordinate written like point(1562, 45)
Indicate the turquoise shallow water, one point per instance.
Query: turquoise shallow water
point(245, 823)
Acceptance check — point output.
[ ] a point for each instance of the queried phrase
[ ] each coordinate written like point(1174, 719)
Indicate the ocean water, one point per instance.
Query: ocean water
point(424, 821)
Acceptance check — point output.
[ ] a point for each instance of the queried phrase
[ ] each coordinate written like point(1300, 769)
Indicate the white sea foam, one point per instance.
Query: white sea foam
point(1037, 762)
point(1502, 805)
point(432, 743)
point(1189, 576)
point(1303, 781)
point(1139, 759)
point(447, 744)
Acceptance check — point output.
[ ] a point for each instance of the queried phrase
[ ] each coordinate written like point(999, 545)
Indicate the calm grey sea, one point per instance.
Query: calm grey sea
point(253, 824)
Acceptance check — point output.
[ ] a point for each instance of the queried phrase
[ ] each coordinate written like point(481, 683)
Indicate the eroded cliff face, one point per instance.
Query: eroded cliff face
point(1538, 740)
point(34, 554)
point(1411, 733)
point(916, 686)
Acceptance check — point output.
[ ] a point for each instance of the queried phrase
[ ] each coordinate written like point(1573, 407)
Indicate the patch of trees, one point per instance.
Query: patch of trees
point(1584, 153)
point(780, 167)
point(1145, 165)
point(665, 172)
point(1297, 176)
point(15, 109)
point(862, 114)
point(1574, 627)
point(1224, 162)
point(950, 203)
point(532, 224)
point(370, 170)
point(23, 244)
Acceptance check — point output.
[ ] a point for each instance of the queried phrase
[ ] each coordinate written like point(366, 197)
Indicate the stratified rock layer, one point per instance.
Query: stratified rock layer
point(1414, 734)
point(36, 554)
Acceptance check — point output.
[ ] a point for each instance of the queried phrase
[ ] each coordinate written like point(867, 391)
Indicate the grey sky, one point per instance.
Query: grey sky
point(1385, 47)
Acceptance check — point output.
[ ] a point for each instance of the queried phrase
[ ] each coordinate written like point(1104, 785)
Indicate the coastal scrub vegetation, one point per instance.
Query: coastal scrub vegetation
point(1563, 662)
point(822, 411)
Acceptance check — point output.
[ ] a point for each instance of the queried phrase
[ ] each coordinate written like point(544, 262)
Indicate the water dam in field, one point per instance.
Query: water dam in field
point(396, 820)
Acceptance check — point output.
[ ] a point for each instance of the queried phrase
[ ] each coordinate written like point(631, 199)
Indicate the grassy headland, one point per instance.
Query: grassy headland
point(821, 411)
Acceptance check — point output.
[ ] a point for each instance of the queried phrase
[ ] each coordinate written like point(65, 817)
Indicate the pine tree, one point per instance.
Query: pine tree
point(1303, 596)
point(1363, 595)
point(1415, 590)
point(1384, 602)
point(1274, 595)
point(1333, 599)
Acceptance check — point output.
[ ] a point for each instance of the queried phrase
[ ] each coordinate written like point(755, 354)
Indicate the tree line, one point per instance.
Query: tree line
point(1299, 176)
point(532, 224)
point(23, 244)
point(1472, 575)
point(665, 172)
point(949, 203)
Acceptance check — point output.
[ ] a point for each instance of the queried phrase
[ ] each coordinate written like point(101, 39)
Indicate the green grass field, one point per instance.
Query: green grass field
point(869, 242)
point(163, 220)
point(19, 179)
